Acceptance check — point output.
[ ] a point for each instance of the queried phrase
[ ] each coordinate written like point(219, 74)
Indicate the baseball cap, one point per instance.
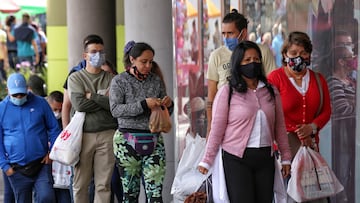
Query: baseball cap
point(16, 83)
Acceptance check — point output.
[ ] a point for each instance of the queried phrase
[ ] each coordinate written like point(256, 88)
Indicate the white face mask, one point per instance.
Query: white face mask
point(96, 59)
point(57, 115)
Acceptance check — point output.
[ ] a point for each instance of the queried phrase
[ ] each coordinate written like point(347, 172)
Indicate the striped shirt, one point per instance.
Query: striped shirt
point(342, 98)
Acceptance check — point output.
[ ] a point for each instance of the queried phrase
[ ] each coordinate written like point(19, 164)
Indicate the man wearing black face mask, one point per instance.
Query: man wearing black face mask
point(89, 89)
point(234, 30)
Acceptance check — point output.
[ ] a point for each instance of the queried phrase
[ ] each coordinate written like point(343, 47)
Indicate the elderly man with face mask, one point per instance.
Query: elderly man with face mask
point(27, 126)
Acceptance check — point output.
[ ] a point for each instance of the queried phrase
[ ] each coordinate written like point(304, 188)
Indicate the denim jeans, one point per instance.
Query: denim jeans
point(42, 184)
point(8, 193)
point(62, 195)
point(12, 56)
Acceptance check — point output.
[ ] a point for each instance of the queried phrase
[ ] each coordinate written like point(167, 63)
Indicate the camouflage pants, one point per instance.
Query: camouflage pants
point(132, 166)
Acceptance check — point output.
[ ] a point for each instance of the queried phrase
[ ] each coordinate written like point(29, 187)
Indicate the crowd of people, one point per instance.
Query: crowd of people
point(257, 104)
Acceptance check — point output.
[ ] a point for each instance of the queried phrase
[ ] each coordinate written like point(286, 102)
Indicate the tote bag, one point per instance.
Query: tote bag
point(67, 145)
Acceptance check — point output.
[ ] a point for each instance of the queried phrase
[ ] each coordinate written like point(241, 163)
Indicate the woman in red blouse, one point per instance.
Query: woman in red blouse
point(305, 111)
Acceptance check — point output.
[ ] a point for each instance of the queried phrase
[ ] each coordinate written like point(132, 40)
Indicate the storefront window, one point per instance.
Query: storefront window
point(334, 30)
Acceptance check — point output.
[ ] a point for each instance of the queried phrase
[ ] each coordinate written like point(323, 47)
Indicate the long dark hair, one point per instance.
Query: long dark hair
point(236, 81)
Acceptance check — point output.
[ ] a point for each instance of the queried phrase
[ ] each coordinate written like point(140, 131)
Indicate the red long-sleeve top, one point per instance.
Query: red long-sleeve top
point(298, 108)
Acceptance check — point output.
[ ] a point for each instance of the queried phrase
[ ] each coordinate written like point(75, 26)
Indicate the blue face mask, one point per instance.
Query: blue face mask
point(96, 59)
point(17, 101)
point(231, 43)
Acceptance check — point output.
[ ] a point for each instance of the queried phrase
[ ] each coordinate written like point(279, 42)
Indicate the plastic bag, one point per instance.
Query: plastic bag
point(160, 120)
point(187, 178)
point(67, 146)
point(219, 189)
point(61, 175)
point(311, 177)
point(280, 195)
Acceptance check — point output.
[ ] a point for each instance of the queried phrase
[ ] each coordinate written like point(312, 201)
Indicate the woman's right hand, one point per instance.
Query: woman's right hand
point(202, 170)
point(153, 102)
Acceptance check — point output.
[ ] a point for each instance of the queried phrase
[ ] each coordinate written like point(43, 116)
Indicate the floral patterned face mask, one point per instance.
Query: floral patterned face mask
point(297, 63)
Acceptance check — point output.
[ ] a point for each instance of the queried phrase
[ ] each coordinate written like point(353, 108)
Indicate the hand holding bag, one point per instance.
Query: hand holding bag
point(311, 177)
point(67, 146)
point(160, 120)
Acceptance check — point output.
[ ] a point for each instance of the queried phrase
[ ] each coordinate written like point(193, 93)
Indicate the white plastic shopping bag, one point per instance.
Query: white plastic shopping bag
point(280, 195)
point(61, 175)
point(67, 145)
point(311, 177)
point(187, 178)
point(219, 189)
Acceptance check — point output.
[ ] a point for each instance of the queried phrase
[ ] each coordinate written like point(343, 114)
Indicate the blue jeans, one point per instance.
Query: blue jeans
point(62, 195)
point(12, 56)
point(8, 193)
point(116, 186)
point(42, 184)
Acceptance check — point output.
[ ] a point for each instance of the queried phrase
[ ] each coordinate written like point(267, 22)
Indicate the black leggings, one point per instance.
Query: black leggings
point(250, 179)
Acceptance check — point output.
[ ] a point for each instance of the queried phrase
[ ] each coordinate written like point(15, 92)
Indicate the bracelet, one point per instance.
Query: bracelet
point(209, 104)
point(314, 129)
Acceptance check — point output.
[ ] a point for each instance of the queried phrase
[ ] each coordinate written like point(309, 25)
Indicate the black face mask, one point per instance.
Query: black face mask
point(251, 70)
point(138, 74)
point(297, 63)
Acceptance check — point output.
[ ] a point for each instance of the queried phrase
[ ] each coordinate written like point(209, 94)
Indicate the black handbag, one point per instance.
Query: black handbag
point(31, 169)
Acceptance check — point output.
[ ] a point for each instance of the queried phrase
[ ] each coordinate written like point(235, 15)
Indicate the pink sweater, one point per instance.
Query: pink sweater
point(232, 128)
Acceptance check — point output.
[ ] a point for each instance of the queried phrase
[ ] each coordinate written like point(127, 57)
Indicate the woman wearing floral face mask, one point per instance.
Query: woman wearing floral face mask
point(300, 93)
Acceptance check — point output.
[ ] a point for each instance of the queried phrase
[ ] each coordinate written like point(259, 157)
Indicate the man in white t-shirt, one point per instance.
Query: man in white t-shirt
point(234, 30)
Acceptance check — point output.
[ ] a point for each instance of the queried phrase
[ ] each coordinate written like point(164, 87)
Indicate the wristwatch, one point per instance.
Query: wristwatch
point(314, 129)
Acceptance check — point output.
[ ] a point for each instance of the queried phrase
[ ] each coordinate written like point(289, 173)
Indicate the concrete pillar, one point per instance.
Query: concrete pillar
point(57, 48)
point(120, 34)
point(86, 17)
point(151, 22)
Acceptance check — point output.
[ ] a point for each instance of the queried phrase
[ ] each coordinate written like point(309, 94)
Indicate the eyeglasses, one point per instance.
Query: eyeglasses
point(345, 44)
point(18, 95)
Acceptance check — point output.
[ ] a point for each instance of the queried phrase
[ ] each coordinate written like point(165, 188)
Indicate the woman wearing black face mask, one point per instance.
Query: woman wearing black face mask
point(300, 93)
point(247, 119)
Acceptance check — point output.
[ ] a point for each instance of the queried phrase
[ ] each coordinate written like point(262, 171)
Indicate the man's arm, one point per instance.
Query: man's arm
point(212, 89)
point(65, 111)
point(5, 53)
point(9, 34)
point(37, 58)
